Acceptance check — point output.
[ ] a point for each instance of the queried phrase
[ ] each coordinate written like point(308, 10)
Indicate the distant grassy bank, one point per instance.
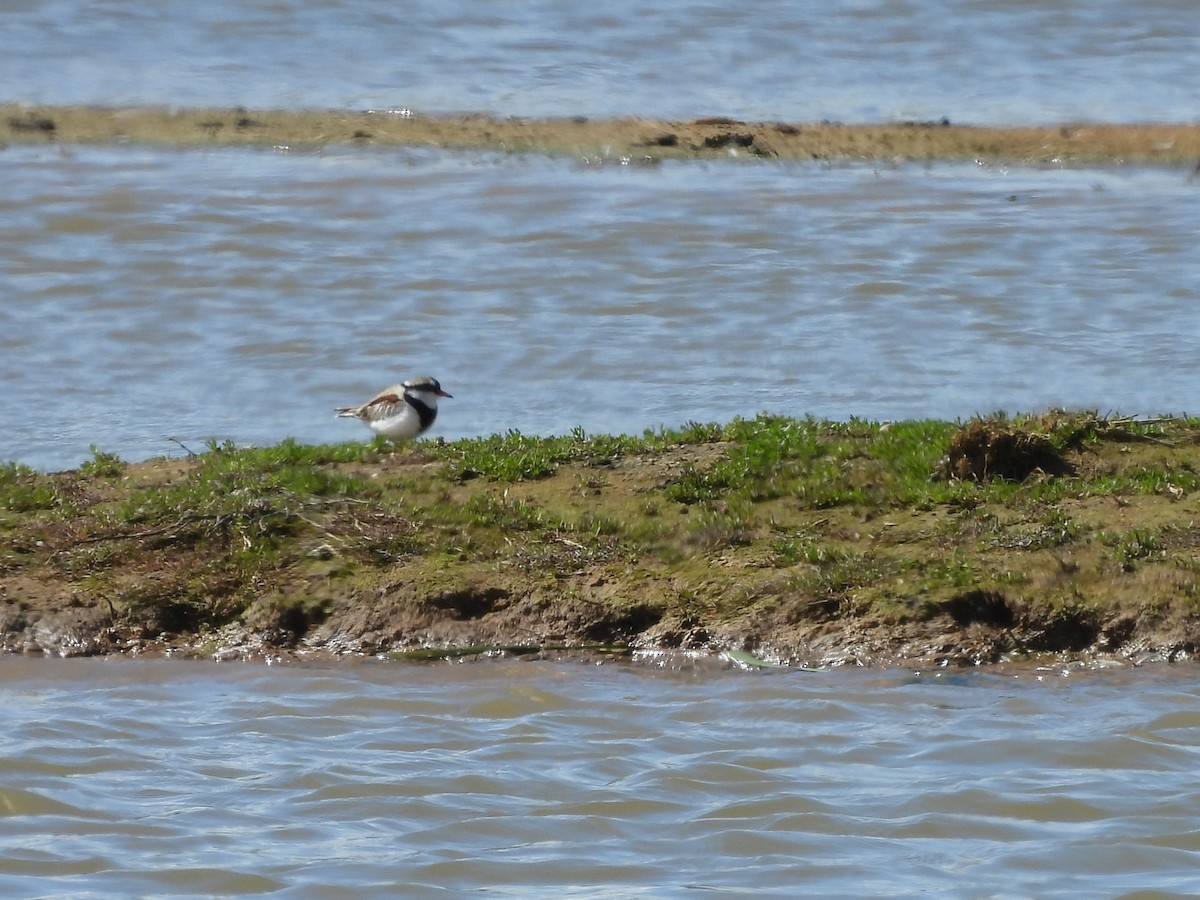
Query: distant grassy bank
point(796, 541)
point(630, 139)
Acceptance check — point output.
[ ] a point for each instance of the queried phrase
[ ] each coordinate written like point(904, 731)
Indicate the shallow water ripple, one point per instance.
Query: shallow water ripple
point(241, 295)
point(543, 779)
point(1006, 61)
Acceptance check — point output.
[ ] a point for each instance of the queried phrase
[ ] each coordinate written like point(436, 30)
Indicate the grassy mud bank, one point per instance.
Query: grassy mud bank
point(799, 542)
point(631, 139)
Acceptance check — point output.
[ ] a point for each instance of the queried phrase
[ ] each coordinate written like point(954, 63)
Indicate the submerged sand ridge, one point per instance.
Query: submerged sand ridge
point(630, 139)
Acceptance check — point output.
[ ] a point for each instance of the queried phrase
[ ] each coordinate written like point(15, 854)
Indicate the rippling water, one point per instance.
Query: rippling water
point(128, 778)
point(241, 295)
point(1010, 61)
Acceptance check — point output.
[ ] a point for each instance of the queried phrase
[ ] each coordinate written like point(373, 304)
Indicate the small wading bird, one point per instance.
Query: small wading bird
point(401, 412)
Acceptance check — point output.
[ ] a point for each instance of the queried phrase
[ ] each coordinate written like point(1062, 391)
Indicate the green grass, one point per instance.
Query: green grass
point(102, 465)
point(514, 457)
point(1054, 529)
point(793, 520)
point(823, 465)
point(499, 512)
point(23, 490)
point(250, 498)
point(1132, 545)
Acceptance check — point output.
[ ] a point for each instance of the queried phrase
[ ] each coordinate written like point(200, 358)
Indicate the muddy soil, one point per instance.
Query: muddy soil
point(1089, 555)
point(629, 140)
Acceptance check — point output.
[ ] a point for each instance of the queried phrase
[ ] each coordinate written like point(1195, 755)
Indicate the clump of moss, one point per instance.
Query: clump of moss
point(988, 449)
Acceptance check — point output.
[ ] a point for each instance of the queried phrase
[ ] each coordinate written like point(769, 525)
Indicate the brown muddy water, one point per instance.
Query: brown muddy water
point(535, 778)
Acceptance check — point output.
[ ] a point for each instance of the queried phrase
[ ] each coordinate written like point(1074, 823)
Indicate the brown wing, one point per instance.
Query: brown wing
point(382, 405)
